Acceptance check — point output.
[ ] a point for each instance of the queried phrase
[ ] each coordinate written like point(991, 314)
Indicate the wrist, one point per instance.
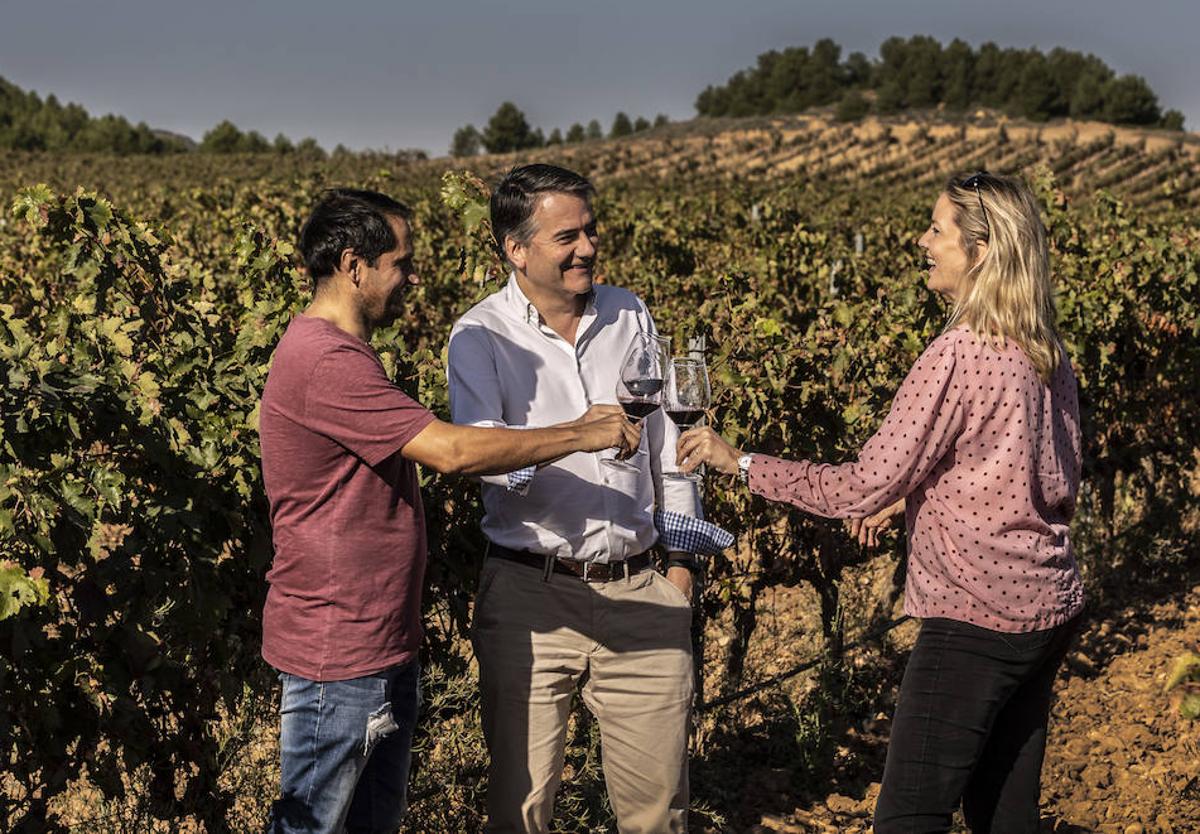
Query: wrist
point(686, 561)
point(743, 466)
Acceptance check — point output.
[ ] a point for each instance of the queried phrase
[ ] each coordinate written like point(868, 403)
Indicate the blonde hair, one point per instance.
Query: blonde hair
point(1010, 295)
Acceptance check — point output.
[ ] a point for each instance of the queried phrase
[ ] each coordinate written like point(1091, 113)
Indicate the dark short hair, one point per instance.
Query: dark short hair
point(515, 198)
point(348, 218)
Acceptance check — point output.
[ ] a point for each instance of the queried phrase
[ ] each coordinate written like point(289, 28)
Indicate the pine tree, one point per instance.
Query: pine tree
point(466, 142)
point(1129, 100)
point(507, 131)
point(223, 138)
point(621, 126)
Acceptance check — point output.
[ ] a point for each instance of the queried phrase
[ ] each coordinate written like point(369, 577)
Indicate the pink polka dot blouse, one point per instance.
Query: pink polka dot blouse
point(989, 458)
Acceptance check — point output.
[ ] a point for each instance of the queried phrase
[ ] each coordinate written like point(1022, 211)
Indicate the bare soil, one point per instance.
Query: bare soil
point(1119, 760)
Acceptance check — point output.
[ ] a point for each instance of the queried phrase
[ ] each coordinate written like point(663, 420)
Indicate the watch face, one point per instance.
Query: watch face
point(744, 468)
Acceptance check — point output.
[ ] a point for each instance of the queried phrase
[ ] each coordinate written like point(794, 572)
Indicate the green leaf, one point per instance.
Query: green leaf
point(73, 495)
point(111, 328)
point(18, 589)
point(100, 213)
point(767, 327)
point(147, 385)
point(33, 203)
point(473, 215)
point(1185, 667)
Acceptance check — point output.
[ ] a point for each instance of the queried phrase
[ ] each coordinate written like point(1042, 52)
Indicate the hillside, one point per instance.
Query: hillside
point(1144, 166)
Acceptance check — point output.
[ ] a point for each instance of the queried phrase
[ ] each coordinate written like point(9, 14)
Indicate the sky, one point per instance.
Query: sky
point(394, 75)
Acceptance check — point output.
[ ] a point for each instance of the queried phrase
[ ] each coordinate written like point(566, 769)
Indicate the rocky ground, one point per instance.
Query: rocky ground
point(1120, 759)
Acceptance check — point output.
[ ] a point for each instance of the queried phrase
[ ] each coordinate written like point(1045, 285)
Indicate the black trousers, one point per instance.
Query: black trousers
point(970, 727)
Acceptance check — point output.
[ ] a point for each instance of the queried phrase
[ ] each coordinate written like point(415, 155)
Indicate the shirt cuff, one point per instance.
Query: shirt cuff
point(688, 534)
point(519, 480)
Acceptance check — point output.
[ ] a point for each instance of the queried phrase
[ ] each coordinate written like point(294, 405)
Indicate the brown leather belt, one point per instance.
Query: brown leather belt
point(587, 571)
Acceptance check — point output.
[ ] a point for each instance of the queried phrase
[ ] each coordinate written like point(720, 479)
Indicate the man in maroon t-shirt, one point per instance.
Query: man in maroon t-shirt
point(339, 442)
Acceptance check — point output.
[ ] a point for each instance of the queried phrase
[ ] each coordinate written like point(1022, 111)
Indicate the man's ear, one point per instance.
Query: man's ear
point(348, 264)
point(514, 252)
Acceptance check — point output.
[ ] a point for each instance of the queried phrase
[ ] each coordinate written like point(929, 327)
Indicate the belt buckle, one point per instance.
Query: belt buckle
point(606, 571)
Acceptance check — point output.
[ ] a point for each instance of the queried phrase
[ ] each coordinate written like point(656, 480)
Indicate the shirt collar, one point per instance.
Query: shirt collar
point(521, 307)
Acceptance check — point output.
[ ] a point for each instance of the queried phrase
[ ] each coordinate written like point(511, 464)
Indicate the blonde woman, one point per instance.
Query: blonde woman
point(981, 451)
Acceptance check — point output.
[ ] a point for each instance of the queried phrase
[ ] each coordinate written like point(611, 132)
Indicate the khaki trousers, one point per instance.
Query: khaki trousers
point(628, 641)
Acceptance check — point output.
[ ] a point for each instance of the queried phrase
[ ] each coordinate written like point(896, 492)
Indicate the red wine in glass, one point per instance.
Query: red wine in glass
point(640, 382)
point(685, 417)
point(637, 409)
point(686, 396)
point(642, 398)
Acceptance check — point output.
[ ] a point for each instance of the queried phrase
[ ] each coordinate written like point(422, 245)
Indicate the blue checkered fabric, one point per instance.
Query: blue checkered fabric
point(691, 535)
point(518, 480)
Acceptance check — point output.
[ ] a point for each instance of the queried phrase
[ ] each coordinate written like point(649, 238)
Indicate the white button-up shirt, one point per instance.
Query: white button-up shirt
point(507, 368)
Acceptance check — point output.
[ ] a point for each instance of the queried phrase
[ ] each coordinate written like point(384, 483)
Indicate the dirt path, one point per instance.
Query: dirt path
point(1119, 759)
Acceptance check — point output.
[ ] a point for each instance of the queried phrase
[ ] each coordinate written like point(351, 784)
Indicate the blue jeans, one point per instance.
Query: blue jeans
point(344, 749)
point(970, 727)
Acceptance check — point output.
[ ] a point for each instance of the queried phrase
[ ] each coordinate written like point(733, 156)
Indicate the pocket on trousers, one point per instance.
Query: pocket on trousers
point(296, 693)
point(487, 577)
point(670, 590)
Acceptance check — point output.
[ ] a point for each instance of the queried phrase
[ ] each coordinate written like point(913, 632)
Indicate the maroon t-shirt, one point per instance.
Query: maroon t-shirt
point(346, 515)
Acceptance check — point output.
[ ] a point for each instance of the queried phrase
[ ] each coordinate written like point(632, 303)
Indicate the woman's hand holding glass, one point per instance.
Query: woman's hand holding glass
point(703, 446)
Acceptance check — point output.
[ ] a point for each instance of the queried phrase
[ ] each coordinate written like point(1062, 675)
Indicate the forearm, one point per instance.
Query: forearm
point(491, 455)
point(471, 450)
point(842, 491)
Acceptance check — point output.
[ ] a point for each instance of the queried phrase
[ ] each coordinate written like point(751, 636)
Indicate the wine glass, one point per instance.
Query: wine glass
point(686, 397)
point(640, 381)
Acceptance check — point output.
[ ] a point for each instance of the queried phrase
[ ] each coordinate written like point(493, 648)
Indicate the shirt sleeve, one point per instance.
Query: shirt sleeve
point(351, 400)
point(926, 417)
point(474, 388)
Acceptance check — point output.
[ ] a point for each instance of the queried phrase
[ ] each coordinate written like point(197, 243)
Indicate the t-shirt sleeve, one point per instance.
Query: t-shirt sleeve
point(351, 401)
point(925, 419)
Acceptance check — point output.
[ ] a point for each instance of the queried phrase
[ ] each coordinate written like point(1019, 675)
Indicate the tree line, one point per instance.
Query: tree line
point(509, 130)
point(918, 72)
point(30, 123)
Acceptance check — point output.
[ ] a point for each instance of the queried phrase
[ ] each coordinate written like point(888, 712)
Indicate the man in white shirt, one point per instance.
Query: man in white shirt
point(569, 593)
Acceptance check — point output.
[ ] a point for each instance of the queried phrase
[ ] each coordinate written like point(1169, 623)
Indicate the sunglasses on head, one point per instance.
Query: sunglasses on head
point(973, 182)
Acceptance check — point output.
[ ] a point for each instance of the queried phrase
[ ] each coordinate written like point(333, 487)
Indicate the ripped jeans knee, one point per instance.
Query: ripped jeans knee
point(380, 725)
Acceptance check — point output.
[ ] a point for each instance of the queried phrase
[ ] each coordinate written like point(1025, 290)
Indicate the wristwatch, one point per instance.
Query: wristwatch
point(690, 562)
point(744, 468)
